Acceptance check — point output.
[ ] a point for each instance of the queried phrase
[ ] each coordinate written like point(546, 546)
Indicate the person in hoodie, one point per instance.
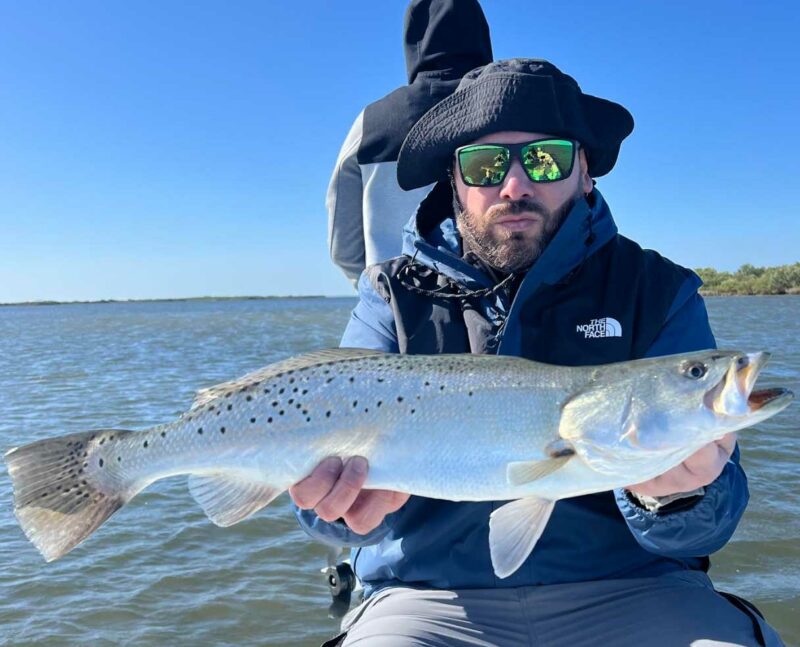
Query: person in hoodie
point(515, 252)
point(367, 210)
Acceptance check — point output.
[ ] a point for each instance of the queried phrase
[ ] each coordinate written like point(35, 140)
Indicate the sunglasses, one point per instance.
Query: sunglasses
point(544, 160)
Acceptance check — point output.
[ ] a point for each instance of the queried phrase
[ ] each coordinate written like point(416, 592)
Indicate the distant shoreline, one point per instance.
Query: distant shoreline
point(176, 300)
point(704, 293)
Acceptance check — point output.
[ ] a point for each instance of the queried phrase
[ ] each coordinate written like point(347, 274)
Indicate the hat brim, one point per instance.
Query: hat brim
point(512, 101)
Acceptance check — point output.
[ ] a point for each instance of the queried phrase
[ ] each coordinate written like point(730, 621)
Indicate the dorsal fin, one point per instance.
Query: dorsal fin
point(316, 358)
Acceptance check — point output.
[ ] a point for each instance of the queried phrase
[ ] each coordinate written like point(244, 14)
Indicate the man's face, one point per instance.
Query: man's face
point(509, 225)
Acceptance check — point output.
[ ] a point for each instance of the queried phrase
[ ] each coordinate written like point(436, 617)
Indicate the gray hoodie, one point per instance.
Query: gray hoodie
point(443, 40)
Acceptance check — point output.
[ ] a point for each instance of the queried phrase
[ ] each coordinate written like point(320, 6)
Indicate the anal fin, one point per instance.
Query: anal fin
point(228, 497)
point(514, 530)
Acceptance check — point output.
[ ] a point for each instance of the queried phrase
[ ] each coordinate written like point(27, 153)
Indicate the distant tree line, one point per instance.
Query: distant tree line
point(783, 279)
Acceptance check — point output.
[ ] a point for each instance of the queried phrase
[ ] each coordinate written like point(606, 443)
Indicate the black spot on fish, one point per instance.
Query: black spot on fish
point(200, 430)
point(269, 419)
point(291, 380)
point(280, 413)
point(413, 411)
point(305, 412)
point(119, 459)
point(163, 434)
point(291, 400)
point(249, 398)
point(399, 398)
point(427, 383)
point(380, 379)
point(470, 393)
point(380, 402)
point(230, 406)
point(102, 440)
point(327, 414)
point(100, 462)
point(228, 394)
point(355, 403)
point(211, 408)
point(304, 392)
point(308, 419)
point(275, 403)
point(266, 391)
point(298, 406)
point(352, 379)
point(441, 388)
point(222, 430)
point(329, 380)
point(252, 420)
point(145, 444)
point(366, 409)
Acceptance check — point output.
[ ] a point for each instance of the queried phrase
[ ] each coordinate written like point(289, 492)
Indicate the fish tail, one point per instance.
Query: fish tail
point(58, 499)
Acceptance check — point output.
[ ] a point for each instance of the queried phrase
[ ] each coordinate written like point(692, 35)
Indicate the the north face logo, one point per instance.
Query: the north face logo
point(605, 327)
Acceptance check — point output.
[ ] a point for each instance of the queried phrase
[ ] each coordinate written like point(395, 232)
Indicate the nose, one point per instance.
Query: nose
point(516, 184)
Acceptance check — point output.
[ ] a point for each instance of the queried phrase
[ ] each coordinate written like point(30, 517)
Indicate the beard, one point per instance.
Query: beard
point(515, 250)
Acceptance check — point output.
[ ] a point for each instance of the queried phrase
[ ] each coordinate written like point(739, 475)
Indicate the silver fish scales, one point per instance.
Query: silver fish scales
point(458, 427)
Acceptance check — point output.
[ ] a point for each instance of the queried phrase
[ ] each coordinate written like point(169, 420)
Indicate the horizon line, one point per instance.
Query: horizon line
point(50, 302)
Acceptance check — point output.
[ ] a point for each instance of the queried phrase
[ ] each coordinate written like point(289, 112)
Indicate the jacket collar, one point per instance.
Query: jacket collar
point(432, 239)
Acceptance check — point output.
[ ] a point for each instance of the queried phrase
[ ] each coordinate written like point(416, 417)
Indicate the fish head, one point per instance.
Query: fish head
point(661, 410)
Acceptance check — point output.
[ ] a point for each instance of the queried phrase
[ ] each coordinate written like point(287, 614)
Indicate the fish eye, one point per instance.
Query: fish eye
point(695, 370)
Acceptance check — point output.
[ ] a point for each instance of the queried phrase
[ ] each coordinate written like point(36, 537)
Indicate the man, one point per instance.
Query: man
point(515, 252)
point(367, 210)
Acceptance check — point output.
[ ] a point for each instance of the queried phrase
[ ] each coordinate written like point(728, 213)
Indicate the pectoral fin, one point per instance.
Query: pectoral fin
point(228, 498)
point(514, 530)
point(522, 472)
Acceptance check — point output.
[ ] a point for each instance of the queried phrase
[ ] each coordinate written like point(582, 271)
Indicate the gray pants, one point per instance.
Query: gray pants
point(675, 610)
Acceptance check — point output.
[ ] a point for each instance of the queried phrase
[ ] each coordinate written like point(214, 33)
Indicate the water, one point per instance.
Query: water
point(160, 573)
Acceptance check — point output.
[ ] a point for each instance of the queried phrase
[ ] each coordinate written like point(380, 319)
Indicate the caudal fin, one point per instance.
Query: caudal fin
point(56, 503)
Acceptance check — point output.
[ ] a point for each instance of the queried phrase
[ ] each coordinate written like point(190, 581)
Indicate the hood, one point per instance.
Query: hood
point(445, 36)
point(431, 237)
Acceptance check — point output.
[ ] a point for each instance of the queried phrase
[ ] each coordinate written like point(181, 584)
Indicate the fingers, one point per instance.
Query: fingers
point(345, 491)
point(707, 463)
point(700, 469)
point(334, 491)
point(312, 489)
point(332, 487)
point(370, 508)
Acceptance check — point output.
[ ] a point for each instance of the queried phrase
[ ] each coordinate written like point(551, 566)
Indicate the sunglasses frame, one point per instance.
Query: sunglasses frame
point(515, 152)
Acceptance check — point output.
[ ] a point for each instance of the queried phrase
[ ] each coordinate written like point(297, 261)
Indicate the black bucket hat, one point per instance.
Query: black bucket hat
point(516, 94)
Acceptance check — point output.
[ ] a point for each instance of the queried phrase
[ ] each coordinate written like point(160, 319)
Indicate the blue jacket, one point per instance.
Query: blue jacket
point(443, 544)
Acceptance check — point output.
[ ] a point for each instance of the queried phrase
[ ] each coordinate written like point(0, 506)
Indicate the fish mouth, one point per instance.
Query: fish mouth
point(734, 395)
point(759, 399)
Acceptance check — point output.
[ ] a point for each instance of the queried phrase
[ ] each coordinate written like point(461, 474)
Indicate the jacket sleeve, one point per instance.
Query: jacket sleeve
point(702, 524)
point(345, 209)
point(371, 326)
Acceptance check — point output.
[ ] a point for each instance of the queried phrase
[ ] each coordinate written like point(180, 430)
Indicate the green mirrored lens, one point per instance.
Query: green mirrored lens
point(549, 160)
point(483, 165)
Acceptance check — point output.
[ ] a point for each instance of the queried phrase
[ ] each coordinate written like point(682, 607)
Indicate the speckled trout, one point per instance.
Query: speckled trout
point(459, 427)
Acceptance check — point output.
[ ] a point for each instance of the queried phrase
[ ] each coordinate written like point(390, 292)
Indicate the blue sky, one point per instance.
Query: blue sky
point(171, 149)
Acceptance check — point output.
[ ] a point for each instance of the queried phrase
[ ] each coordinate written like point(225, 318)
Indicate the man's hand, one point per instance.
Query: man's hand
point(334, 490)
point(700, 469)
